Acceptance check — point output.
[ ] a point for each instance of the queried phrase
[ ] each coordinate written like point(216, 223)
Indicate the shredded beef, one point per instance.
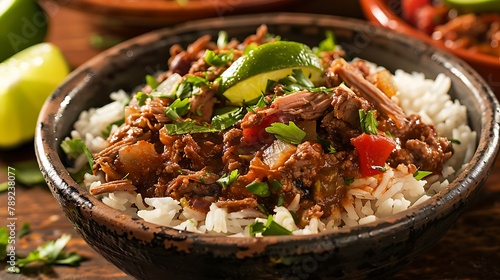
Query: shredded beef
point(147, 155)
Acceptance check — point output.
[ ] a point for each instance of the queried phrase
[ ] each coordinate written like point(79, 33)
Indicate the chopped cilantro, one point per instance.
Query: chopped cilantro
point(151, 81)
point(259, 188)
point(368, 122)
point(271, 228)
point(287, 133)
point(455, 141)
point(178, 108)
point(219, 123)
point(328, 44)
point(348, 180)
point(276, 185)
point(190, 85)
point(331, 149)
point(52, 253)
point(280, 201)
point(218, 59)
point(188, 126)
point(228, 119)
point(141, 98)
point(419, 175)
point(73, 148)
point(227, 179)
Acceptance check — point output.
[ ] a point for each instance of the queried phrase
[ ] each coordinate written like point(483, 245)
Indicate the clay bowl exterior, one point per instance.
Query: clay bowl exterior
point(148, 251)
point(387, 13)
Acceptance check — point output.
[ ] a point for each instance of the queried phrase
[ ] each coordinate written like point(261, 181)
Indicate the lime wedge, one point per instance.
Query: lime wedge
point(247, 77)
point(26, 80)
point(23, 23)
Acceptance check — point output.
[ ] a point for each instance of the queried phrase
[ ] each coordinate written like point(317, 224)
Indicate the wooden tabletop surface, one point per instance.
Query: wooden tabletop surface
point(470, 250)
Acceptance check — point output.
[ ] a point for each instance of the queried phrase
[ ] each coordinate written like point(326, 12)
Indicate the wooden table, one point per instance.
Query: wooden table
point(471, 249)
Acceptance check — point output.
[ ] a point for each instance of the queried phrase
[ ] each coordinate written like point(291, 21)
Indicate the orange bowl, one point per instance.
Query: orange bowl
point(387, 13)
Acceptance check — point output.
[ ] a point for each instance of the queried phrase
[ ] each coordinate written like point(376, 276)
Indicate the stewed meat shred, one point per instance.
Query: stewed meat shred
point(144, 156)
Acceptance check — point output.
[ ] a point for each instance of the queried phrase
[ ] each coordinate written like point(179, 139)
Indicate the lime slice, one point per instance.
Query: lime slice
point(26, 80)
point(247, 77)
point(23, 23)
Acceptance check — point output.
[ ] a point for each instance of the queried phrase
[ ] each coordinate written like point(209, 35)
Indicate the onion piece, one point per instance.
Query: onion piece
point(276, 154)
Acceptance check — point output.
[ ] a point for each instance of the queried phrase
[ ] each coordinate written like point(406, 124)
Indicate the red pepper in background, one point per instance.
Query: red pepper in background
point(373, 151)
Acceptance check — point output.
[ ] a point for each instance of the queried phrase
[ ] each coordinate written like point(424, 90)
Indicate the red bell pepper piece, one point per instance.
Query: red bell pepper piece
point(373, 151)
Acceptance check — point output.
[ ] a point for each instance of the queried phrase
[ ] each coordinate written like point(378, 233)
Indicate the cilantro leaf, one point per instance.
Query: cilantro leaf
point(228, 179)
point(151, 81)
point(178, 108)
point(73, 148)
point(190, 85)
point(188, 126)
point(298, 81)
point(141, 98)
point(419, 175)
point(287, 133)
point(259, 188)
point(219, 123)
point(271, 228)
point(218, 59)
point(328, 44)
point(52, 253)
point(368, 122)
point(228, 119)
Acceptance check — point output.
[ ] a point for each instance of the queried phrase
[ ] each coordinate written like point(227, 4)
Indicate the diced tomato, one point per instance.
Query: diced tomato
point(258, 134)
point(410, 9)
point(373, 151)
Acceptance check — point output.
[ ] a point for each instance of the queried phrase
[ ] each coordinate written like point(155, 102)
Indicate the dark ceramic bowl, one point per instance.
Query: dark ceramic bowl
point(387, 13)
point(148, 251)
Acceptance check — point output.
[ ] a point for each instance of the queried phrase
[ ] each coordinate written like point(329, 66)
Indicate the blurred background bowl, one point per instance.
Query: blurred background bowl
point(140, 14)
point(148, 251)
point(388, 13)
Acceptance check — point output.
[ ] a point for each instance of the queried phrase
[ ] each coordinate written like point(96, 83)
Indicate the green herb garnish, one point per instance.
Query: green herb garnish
point(228, 179)
point(419, 175)
point(73, 148)
point(259, 188)
point(368, 122)
point(218, 59)
point(177, 108)
point(328, 44)
point(52, 253)
point(287, 133)
point(271, 228)
point(141, 98)
point(151, 81)
point(191, 85)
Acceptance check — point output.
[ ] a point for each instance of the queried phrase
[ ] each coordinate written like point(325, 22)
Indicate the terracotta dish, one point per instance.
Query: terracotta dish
point(158, 13)
point(377, 249)
point(385, 13)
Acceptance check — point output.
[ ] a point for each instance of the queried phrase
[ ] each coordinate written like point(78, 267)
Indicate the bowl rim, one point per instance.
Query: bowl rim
point(145, 7)
point(464, 184)
point(379, 12)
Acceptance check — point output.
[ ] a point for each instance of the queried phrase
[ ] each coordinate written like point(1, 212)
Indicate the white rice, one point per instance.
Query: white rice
point(366, 200)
